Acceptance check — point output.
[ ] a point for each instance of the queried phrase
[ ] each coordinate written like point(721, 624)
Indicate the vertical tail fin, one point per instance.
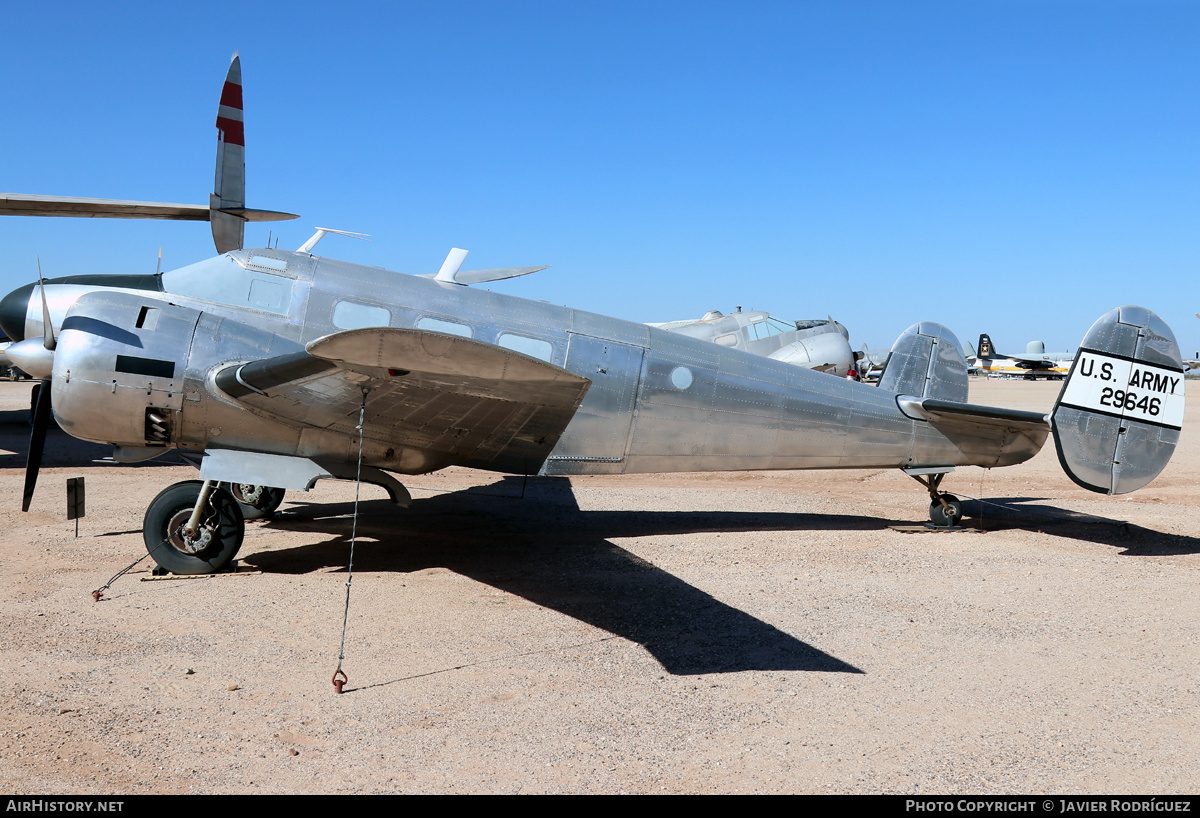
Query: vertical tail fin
point(229, 192)
point(926, 362)
point(985, 347)
point(1118, 417)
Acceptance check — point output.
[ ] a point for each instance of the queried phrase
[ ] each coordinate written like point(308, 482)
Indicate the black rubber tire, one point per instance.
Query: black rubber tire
point(223, 518)
point(270, 500)
point(939, 515)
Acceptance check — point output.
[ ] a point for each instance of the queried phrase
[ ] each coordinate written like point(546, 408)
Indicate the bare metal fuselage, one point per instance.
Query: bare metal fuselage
point(658, 401)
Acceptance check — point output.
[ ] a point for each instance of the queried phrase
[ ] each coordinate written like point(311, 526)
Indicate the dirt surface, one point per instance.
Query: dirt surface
point(747, 632)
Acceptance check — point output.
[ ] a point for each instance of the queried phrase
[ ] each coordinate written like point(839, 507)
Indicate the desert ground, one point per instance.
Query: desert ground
point(694, 633)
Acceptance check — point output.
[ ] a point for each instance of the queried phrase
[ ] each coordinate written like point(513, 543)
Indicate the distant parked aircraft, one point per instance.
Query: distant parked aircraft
point(821, 344)
point(1035, 363)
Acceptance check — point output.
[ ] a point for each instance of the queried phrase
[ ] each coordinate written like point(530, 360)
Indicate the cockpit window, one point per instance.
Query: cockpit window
point(224, 281)
point(765, 329)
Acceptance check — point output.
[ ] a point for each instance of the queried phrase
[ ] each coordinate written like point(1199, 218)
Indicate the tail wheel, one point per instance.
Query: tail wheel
point(214, 543)
point(945, 517)
point(257, 502)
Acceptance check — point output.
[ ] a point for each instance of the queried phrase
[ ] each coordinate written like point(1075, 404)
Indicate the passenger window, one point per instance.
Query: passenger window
point(729, 340)
point(533, 347)
point(448, 327)
point(349, 315)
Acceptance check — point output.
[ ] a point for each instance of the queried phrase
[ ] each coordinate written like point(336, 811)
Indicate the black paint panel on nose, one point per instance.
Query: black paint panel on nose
point(12, 312)
point(14, 305)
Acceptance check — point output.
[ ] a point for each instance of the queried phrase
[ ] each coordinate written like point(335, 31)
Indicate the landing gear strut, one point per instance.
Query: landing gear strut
point(257, 502)
point(193, 527)
point(945, 510)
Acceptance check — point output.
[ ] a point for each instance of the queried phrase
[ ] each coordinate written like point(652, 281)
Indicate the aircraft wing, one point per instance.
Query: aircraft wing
point(17, 204)
point(1011, 435)
point(21, 204)
point(1034, 361)
point(432, 399)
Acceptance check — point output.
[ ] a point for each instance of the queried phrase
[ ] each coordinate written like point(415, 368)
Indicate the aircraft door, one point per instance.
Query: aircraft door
point(599, 432)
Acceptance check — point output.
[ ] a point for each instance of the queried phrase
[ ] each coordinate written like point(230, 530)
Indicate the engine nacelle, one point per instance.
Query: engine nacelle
point(826, 349)
point(119, 369)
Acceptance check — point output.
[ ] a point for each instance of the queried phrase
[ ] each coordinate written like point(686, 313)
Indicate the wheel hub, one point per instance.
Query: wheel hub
point(181, 541)
point(248, 493)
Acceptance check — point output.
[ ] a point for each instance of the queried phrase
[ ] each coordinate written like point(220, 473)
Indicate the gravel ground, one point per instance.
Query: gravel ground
point(736, 633)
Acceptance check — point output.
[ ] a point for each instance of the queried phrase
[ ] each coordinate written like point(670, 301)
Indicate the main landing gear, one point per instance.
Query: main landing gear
point(945, 510)
point(257, 502)
point(193, 527)
point(197, 526)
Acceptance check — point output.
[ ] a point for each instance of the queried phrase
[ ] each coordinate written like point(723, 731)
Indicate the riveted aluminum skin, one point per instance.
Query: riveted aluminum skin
point(944, 373)
point(1111, 448)
point(658, 401)
point(120, 357)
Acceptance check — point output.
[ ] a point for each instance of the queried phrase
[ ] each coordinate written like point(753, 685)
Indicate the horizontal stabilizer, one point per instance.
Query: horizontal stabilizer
point(252, 215)
point(1118, 417)
point(990, 436)
point(483, 276)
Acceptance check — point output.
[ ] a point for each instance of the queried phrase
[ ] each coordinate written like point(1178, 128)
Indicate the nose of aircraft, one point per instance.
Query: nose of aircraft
point(13, 308)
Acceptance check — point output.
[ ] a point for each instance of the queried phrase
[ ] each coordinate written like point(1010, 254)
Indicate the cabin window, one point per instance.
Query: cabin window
point(349, 315)
point(681, 377)
point(449, 327)
point(274, 265)
point(533, 347)
point(729, 340)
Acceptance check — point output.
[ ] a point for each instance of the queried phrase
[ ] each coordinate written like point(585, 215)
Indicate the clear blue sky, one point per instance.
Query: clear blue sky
point(1010, 167)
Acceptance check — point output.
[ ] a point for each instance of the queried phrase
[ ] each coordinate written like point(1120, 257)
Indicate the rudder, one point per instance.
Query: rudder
point(1118, 417)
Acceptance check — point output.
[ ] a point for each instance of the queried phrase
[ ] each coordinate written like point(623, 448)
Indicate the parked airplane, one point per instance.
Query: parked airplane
point(226, 209)
point(871, 362)
point(818, 344)
point(1035, 363)
point(276, 369)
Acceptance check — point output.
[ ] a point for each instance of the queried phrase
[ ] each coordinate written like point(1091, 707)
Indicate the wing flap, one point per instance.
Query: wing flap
point(440, 398)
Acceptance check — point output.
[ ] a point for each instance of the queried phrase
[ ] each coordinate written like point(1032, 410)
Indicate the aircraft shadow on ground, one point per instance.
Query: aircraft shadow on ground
point(1031, 514)
point(545, 549)
point(61, 450)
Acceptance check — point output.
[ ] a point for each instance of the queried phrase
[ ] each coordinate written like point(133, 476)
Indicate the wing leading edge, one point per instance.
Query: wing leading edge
point(433, 399)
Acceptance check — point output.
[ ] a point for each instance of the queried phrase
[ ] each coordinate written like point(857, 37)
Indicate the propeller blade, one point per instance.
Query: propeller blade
point(47, 327)
point(37, 441)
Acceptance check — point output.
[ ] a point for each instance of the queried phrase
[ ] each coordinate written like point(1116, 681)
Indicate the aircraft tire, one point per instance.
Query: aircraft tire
point(943, 518)
point(257, 502)
point(222, 525)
